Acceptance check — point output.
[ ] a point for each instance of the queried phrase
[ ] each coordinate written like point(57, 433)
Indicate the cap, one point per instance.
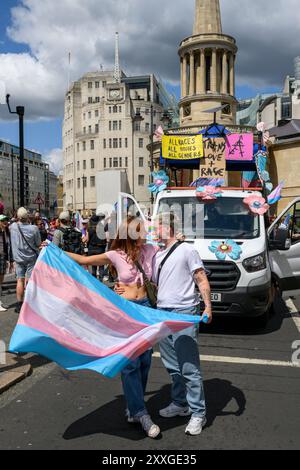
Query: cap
point(64, 216)
point(3, 218)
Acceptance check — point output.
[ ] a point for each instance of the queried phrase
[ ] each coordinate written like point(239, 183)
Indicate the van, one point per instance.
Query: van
point(269, 261)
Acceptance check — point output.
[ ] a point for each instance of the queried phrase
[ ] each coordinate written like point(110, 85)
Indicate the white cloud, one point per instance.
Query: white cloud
point(55, 160)
point(150, 33)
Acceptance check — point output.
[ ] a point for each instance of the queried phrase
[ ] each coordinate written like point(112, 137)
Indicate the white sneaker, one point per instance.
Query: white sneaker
point(151, 429)
point(174, 410)
point(195, 426)
point(2, 309)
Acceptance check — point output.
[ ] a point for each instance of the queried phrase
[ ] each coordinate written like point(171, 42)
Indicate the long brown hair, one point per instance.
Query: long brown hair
point(125, 241)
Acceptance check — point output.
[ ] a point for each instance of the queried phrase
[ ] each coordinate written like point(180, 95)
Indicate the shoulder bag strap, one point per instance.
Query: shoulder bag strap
point(25, 240)
point(174, 247)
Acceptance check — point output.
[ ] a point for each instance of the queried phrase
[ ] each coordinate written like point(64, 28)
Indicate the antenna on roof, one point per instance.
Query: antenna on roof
point(117, 73)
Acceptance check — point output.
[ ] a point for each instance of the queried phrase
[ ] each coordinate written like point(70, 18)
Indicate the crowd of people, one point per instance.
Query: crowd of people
point(22, 237)
point(174, 267)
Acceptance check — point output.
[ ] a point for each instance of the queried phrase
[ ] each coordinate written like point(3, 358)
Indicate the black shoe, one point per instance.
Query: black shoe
point(18, 307)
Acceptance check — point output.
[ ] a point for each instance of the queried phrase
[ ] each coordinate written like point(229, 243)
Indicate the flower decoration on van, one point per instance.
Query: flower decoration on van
point(160, 182)
point(208, 193)
point(228, 248)
point(257, 204)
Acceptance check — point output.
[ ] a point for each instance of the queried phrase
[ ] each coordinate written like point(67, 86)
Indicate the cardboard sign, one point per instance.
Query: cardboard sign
point(239, 147)
point(213, 165)
point(182, 147)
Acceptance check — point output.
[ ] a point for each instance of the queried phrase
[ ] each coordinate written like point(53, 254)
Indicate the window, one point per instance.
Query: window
point(141, 162)
point(84, 146)
point(78, 147)
point(96, 113)
point(78, 166)
point(84, 164)
point(84, 178)
point(126, 142)
point(110, 143)
point(115, 163)
point(84, 116)
point(104, 143)
point(120, 143)
point(104, 84)
point(97, 99)
point(120, 125)
point(92, 181)
point(109, 125)
point(137, 126)
point(90, 85)
point(147, 111)
point(90, 100)
point(126, 161)
point(120, 109)
point(97, 84)
point(109, 109)
point(92, 145)
point(78, 183)
point(115, 109)
point(92, 163)
point(115, 143)
point(141, 143)
point(97, 128)
point(147, 127)
point(90, 114)
point(90, 129)
point(120, 161)
point(104, 162)
point(84, 130)
point(115, 125)
point(141, 180)
point(110, 162)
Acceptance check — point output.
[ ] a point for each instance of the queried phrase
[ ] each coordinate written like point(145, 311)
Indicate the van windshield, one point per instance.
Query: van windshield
point(220, 219)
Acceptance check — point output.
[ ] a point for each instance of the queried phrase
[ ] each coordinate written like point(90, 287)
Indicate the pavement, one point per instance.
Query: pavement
point(251, 383)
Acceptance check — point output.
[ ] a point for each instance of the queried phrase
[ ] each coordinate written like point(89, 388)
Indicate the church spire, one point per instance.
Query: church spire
point(117, 73)
point(207, 17)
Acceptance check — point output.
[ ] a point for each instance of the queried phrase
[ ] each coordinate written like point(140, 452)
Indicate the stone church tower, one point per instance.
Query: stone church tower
point(207, 69)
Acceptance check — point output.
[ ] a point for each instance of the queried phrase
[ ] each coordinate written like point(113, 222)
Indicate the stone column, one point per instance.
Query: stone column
point(224, 74)
point(192, 74)
point(181, 76)
point(184, 74)
point(232, 84)
point(214, 71)
point(203, 72)
point(198, 74)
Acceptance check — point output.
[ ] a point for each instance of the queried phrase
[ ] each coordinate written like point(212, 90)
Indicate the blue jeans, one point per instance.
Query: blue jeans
point(180, 356)
point(134, 379)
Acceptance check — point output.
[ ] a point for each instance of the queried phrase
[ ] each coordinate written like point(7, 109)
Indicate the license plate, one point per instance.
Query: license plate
point(215, 297)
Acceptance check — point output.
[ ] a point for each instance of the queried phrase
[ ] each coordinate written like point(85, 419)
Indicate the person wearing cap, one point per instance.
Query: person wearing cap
point(65, 223)
point(5, 254)
point(25, 243)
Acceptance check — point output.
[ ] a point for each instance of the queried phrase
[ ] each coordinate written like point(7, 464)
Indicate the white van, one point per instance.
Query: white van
point(270, 258)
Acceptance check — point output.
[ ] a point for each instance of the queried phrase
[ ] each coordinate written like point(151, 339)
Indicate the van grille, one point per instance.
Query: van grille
point(223, 275)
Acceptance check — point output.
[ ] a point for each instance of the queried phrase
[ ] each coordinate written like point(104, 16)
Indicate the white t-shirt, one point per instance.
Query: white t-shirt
point(176, 283)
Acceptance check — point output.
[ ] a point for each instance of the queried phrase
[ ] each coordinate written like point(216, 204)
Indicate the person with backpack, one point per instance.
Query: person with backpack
point(25, 243)
point(96, 241)
point(67, 237)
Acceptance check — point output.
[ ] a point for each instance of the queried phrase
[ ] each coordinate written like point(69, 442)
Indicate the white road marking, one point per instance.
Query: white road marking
point(242, 360)
point(294, 313)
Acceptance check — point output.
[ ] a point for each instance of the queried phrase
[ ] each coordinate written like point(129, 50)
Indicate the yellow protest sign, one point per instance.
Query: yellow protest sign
point(182, 147)
point(213, 165)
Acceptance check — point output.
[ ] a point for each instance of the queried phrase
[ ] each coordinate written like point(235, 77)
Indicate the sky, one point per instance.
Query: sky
point(36, 37)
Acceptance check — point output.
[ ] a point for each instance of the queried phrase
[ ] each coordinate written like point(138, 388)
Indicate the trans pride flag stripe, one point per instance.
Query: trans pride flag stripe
point(79, 323)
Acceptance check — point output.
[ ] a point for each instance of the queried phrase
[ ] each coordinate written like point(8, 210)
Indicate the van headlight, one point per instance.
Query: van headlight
point(255, 263)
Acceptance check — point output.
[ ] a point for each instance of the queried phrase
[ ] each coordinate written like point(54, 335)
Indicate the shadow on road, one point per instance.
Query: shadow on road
point(109, 419)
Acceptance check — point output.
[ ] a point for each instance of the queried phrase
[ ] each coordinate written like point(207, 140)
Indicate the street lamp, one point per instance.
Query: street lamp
point(165, 119)
point(20, 111)
point(137, 118)
point(83, 192)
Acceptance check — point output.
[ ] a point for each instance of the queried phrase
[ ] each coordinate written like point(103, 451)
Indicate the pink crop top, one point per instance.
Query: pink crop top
point(128, 272)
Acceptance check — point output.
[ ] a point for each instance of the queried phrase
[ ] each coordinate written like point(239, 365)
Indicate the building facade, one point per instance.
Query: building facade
point(107, 125)
point(38, 180)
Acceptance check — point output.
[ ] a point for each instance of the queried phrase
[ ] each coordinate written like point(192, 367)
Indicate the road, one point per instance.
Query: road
point(252, 391)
